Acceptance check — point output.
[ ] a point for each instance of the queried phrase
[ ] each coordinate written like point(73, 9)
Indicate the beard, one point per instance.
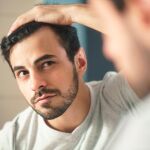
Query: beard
point(51, 111)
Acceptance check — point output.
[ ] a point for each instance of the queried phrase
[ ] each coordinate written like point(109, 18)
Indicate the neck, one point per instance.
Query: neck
point(75, 114)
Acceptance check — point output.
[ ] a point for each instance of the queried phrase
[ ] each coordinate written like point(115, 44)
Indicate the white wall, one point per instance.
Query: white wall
point(11, 101)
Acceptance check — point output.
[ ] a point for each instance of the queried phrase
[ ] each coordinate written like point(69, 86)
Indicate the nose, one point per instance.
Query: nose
point(37, 81)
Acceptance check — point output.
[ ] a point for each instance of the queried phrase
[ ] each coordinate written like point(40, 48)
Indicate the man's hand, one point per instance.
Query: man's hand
point(56, 14)
point(60, 14)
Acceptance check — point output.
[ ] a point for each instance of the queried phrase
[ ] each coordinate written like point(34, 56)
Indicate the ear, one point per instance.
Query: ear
point(81, 61)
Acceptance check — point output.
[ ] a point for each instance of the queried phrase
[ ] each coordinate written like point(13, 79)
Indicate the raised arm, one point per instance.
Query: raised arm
point(127, 42)
point(60, 14)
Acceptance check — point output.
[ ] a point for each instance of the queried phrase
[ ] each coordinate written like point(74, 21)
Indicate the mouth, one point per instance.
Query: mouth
point(45, 98)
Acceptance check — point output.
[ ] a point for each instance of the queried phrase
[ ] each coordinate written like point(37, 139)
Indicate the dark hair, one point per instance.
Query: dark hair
point(67, 37)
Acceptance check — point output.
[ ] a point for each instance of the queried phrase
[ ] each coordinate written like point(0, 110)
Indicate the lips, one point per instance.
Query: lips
point(45, 97)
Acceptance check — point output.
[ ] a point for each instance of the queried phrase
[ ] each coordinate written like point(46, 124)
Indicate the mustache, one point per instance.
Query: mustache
point(42, 91)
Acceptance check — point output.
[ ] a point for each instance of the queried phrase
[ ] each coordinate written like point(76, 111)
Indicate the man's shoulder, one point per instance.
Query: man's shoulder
point(18, 129)
point(20, 119)
point(111, 80)
point(24, 115)
point(112, 75)
point(114, 91)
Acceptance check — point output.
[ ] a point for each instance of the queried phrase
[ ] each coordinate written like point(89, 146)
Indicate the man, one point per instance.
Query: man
point(48, 65)
point(76, 115)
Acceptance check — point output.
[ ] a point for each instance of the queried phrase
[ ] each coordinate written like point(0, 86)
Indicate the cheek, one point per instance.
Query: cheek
point(61, 78)
point(25, 90)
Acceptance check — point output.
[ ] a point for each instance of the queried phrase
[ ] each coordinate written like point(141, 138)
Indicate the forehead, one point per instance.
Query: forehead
point(43, 41)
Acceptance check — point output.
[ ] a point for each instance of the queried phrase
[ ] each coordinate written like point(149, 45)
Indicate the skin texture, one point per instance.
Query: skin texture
point(49, 81)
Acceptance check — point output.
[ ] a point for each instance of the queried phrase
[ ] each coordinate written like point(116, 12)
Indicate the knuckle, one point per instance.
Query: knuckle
point(38, 8)
point(38, 11)
point(22, 19)
point(19, 18)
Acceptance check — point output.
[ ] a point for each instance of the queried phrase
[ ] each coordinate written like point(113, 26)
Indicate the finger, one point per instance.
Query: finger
point(54, 18)
point(25, 18)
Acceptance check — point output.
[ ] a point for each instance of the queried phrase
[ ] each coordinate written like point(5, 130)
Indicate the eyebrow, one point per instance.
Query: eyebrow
point(18, 68)
point(44, 57)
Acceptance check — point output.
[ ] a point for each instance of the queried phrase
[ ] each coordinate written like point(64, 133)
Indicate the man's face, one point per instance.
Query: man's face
point(45, 76)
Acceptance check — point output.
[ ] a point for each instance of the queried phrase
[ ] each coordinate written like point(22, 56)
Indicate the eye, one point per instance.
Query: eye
point(47, 64)
point(22, 74)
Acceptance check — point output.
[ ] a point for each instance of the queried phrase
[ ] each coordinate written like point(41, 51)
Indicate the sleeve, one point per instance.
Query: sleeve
point(117, 98)
point(6, 137)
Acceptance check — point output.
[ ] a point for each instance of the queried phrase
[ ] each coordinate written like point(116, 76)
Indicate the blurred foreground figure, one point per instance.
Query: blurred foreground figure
point(128, 34)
